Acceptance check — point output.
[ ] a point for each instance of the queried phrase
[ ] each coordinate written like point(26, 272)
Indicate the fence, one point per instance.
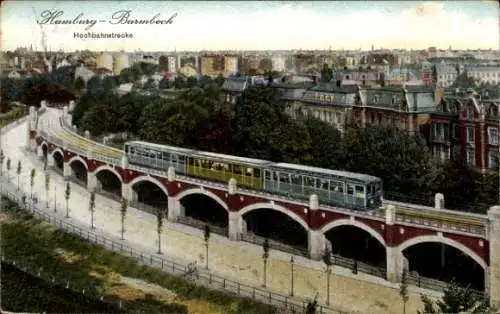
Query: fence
point(200, 225)
point(428, 283)
point(187, 271)
point(275, 245)
point(54, 280)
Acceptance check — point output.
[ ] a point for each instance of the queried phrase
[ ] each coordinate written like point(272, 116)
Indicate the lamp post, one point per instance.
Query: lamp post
point(291, 269)
point(55, 201)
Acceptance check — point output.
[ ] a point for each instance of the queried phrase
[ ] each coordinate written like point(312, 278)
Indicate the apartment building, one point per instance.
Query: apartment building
point(466, 128)
point(446, 74)
point(405, 107)
point(484, 74)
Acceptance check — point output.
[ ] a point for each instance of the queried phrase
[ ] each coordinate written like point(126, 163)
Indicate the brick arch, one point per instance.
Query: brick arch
point(80, 159)
point(150, 179)
point(275, 207)
point(347, 222)
point(106, 167)
point(203, 192)
point(58, 150)
point(440, 239)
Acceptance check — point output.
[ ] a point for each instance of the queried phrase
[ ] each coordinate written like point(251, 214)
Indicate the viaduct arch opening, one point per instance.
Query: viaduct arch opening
point(204, 206)
point(150, 194)
point(45, 150)
point(276, 223)
point(58, 160)
point(444, 260)
point(110, 181)
point(78, 170)
point(357, 241)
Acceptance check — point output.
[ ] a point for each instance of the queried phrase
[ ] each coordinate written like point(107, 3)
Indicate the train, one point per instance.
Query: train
point(344, 189)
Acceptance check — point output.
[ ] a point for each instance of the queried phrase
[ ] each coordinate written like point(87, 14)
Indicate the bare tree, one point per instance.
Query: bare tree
point(327, 259)
point(92, 209)
point(32, 181)
point(47, 187)
point(18, 171)
point(123, 212)
point(159, 227)
point(403, 289)
point(206, 237)
point(67, 194)
point(265, 256)
point(2, 158)
point(8, 166)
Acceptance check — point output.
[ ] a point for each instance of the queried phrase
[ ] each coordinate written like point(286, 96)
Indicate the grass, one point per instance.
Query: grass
point(90, 266)
point(12, 115)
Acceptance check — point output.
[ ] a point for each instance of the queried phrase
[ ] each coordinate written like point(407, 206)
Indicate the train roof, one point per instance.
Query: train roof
point(192, 152)
point(243, 160)
point(339, 173)
point(161, 147)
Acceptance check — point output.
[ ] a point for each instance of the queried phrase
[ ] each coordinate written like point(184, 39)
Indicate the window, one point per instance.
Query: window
point(471, 158)
point(492, 136)
point(470, 134)
point(456, 131)
point(493, 160)
point(470, 112)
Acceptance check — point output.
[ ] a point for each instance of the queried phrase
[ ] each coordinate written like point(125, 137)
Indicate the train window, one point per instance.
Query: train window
point(324, 184)
point(132, 150)
point(249, 172)
point(377, 187)
point(309, 182)
point(236, 170)
point(267, 175)
point(318, 184)
point(181, 159)
point(256, 173)
point(191, 161)
point(360, 191)
point(350, 189)
point(284, 177)
point(296, 179)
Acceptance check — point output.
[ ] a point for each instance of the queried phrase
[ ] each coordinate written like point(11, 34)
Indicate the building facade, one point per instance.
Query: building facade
point(484, 74)
point(465, 128)
point(446, 74)
point(405, 107)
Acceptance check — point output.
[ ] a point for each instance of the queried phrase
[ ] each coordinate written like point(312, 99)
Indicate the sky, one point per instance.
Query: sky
point(248, 25)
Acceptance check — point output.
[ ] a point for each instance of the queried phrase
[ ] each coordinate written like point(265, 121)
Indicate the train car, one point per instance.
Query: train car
point(157, 156)
point(338, 188)
point(221, 168)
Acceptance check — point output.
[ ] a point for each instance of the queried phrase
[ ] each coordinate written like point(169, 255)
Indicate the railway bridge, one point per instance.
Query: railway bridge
point(396, 227)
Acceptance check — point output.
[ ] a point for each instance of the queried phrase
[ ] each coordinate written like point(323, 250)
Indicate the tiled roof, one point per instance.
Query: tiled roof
point(333, 88)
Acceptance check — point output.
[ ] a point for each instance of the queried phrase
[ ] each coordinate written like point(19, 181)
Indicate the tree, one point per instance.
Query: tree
point(327, 143)
point(32, 181)
point(67, 194)
point(266, 65)
point(403, 289)
point(2, 158)
point(327, 259)
point(18, 171)
point(219, 80)
point(123, 213)
point(8, 167)
point(206, 237)
point(92, 209)
point(47, 187)
point(457, 299)
point(179, 83)
point(79, 84)
point(326, 73)
point(164, 83)
point(159, 227)
point(191, 82)
point(265, 256)
point(163, 63)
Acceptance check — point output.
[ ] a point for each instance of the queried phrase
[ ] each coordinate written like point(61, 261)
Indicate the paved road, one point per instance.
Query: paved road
point(238, 261)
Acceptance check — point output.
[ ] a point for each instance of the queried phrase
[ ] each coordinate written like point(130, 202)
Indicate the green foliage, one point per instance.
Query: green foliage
point(12, 116)
point(456, 299)
point(27, 239)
